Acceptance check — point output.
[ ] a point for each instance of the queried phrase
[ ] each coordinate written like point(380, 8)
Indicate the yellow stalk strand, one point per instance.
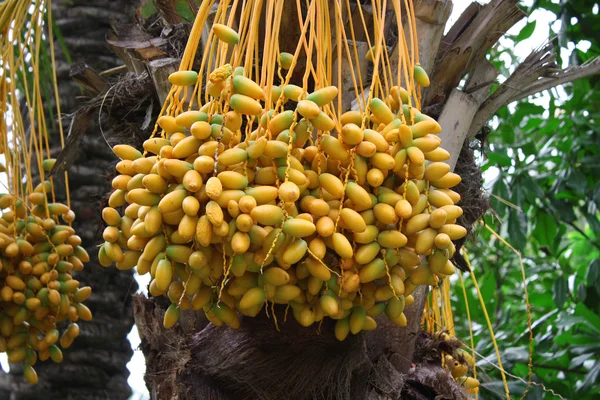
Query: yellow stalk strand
point(489, 324)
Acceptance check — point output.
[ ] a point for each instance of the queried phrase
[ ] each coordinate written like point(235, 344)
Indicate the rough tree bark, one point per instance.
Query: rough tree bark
point(95, 366)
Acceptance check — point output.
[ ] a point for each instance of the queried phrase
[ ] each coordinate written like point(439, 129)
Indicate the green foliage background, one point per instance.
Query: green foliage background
point(548, 165)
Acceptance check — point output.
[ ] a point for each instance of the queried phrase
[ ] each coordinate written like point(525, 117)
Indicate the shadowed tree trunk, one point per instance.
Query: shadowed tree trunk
point(94, 367)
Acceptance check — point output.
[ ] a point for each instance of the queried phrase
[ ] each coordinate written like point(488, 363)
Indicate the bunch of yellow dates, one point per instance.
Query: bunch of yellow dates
point(237, 206)
point(458, 364)
point(37, 291)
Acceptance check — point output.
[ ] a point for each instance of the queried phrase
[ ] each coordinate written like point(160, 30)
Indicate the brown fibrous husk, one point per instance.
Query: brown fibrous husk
point(197, 360)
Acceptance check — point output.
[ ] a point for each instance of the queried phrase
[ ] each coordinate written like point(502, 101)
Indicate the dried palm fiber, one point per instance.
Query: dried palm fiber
point(258, 362)
point(39, 250)
point(258, 187)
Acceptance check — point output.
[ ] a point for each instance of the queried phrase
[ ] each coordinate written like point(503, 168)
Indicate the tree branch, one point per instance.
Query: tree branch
point(456, 30)
point(480, 29)
point(455, 120)
point(561, 77)
point(159, 70)
point(478, 84)
point(537, 73)
point(540, 62)
point(88, 78)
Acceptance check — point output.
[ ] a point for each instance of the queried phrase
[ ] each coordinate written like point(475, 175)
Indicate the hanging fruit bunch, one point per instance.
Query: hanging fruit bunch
point(458, 362)
point(39, 250)
point(258, 191)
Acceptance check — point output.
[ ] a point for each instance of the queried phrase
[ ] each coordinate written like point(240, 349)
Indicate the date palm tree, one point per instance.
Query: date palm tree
point(196, 360)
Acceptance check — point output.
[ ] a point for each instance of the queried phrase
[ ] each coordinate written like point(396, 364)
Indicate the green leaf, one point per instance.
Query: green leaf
point(61, 42)
point(583, 348)
point(495, 389)
point(592, 220)
point(549, 126)
point(579, 360)
point(499, 159)
point(581, 292)
point(556, 187)
point(516, 354)
point(184, 11)
point(564, 209)
point(593, 272)
point(147, 9)
point(488, 287)
point(589, 315)
point(559, 291)
point(526, 32)
point(591, 379)
point(562, 228)
point(533, 123)
point(584, 340)
point(545, 229)
point(596, 196)
point(517, 230)
point(577, 181)
point(526, 110)
point(500, 189)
